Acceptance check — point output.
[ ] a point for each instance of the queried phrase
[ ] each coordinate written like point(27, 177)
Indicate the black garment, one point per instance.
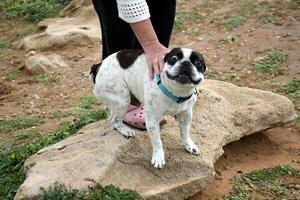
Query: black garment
point(118, 35)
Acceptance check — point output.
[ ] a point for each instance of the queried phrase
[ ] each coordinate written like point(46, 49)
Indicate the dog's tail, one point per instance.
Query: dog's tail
point(94, 71)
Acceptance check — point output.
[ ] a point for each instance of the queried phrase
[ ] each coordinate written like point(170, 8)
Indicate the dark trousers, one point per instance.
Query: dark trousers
point(118, 35)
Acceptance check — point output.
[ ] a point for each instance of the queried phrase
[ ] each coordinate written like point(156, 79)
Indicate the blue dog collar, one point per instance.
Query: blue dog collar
point(169, 94)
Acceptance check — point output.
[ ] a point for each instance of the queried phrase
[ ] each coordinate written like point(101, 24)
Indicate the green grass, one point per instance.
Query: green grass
point(110, 192)
point(31, 10)
point(270, 63)
point(234, 22)
point(77, 111)
point(13, 124)
point(12, 172)
point(264, 181)
point(294, 5)
point(4, 45)
point(292, 88)
point(47, 79)
point(87, 102)
point(12, 75)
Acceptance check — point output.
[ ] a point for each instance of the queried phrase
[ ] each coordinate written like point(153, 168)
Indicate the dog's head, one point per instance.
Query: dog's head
point(184, 66)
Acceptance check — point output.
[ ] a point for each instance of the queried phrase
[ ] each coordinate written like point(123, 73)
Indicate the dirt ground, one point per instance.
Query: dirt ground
point(230, 34)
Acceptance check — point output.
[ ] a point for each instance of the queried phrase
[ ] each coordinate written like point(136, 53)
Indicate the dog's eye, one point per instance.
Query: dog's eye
point(198, 63)
point(173, 59)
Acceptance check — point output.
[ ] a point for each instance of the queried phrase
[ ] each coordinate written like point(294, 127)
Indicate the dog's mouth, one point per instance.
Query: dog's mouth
point(183, 79)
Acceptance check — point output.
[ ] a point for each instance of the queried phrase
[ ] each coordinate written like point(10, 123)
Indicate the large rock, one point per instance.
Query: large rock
point(98, 154)
point(81, 29)
point(45, 63)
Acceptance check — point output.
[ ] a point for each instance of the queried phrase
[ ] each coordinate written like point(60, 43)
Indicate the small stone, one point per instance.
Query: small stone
point(45, 64)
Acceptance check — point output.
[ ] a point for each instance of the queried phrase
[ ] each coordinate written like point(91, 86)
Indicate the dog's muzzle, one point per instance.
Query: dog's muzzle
point(185, 74)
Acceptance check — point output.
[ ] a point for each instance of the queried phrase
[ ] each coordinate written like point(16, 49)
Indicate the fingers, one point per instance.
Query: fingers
point(161, 63)
point(156, 66)
point(150, 71)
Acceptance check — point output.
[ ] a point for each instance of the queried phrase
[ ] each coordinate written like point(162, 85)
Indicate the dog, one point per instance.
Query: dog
point(124, 75)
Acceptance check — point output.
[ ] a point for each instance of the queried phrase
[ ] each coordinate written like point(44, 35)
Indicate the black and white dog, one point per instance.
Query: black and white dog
point(125, 74)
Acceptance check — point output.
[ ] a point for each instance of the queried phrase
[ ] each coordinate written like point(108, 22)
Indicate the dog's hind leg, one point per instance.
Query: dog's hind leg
point(117, 99)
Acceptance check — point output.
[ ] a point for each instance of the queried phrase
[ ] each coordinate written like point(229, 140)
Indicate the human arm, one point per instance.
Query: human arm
point(136, 13)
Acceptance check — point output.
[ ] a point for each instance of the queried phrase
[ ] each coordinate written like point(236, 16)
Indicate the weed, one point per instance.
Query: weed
point(294, 4)
point(234, 22)
point(27, 134)
point(60, 191)
point(73, 111)
point(31, 10)
point(12, 75)
point(87, 102)
point(236, 59)
point(264, 181)
point(268, 20)
point(247, 8)
point(11, 162)
point(47, 79)
point(293, 89)
point(271, 63)
point(4, 45)
point(18, 123)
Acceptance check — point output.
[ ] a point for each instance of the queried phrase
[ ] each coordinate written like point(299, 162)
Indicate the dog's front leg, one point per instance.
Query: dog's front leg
point(158, 155)
point(185, 120)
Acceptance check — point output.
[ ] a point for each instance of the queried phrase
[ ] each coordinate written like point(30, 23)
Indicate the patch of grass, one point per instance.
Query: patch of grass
point(27, 134)
point(12, 75)
point(294, 4)
point(18, 123)
point(271, 63)
point(264, 182)
point(236, 59)
point(110, 192)
point(31, 10)
point(185, 16)
point(234, 22)
point(12, 172)
point(87, 102)
point(77, 111)
point(268, 20)
point(5, 45)
point(292, 88)
point(47, 79)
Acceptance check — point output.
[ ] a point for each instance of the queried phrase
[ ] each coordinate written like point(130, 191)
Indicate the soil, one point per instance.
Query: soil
point(277, 146)
point(228, 53)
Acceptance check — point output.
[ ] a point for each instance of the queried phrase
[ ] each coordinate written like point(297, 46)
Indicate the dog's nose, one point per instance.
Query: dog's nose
point(186, 63)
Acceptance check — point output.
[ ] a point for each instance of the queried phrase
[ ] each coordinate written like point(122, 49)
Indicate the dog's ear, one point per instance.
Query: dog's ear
point(166, 57)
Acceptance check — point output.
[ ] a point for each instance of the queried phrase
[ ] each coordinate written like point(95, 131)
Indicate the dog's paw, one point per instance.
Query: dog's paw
point(127, 132)
point(192, 148)
point(158, 159)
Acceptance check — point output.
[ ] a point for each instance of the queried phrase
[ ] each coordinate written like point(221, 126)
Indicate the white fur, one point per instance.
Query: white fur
point(114, 84)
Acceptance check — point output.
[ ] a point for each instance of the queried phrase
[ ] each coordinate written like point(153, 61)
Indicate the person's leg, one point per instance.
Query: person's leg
point(162, 18)
point(116, 34)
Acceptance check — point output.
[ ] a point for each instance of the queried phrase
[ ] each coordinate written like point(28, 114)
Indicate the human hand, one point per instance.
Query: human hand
point(155, 54)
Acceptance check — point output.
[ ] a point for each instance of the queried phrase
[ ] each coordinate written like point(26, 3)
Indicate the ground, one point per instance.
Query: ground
point(250, 43)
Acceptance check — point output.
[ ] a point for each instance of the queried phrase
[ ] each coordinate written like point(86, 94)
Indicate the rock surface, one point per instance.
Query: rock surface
point(81, 29)
point(223, 113)
point(45, 64)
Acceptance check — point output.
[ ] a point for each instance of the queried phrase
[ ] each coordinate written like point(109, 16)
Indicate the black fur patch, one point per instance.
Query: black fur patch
point(128, 56)
point(94, 71)
point(174, 52)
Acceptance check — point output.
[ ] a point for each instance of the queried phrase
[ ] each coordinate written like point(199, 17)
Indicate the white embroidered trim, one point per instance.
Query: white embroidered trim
point(132, 11)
